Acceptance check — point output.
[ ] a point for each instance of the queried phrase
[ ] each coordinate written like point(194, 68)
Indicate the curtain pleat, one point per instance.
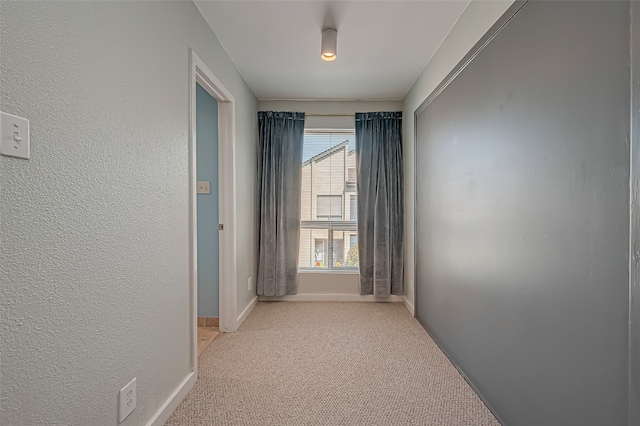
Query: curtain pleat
point(280, 142)
point(380, 203)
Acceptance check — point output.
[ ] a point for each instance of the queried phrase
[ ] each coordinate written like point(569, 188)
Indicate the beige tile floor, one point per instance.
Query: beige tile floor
point(205, 337)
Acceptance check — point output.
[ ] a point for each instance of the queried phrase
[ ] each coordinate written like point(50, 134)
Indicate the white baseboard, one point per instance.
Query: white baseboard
point(329, 298)
point(408, 305)
point(243, 316)
point(169, 406)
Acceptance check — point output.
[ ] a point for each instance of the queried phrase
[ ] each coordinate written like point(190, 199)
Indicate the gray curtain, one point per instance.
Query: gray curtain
point(380, 202)
point(280, 139)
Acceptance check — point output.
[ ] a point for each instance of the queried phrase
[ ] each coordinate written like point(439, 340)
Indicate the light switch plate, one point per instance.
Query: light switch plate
point(15, 136)
point(203, 187)
point(127, 400)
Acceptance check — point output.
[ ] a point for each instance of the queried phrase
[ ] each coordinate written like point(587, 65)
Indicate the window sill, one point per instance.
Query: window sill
point(329, 271)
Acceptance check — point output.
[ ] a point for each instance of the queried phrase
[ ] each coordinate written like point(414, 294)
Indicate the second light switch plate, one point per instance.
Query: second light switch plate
point(203, 187)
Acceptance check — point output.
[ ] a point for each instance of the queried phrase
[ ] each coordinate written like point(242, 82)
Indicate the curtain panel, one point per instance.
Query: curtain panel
point(280, 141)
point(380, 186)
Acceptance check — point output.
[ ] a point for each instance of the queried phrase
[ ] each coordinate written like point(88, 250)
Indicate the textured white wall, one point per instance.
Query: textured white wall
point(474, 22)
point(94, 264)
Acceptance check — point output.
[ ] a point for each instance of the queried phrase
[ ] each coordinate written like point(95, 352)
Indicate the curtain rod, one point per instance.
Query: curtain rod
point(330, 115)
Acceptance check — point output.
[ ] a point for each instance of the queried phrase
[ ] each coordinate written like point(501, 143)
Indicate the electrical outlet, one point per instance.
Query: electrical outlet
point(127, 399)
point(250, 283)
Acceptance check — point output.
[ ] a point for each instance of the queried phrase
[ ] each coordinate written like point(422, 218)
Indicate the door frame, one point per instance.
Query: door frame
point(202, 75)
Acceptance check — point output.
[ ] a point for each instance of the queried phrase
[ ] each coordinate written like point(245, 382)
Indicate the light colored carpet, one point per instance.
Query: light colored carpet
point(296, 363)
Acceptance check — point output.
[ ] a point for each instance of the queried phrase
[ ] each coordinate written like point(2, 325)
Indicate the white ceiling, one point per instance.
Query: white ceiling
point(383, 46)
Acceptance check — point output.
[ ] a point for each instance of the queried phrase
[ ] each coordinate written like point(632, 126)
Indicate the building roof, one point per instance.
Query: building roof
point(326, 153)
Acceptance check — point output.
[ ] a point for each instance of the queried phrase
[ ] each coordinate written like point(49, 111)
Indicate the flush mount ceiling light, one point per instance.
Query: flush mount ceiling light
point(329, 42)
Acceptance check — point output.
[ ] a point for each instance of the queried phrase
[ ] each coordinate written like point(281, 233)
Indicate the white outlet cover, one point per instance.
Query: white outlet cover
point(127, 399)
point(203, 187)
point(14, 132)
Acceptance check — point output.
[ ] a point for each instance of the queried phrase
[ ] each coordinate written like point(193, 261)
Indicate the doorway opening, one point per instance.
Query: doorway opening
point(218, 217)
point(208, 204)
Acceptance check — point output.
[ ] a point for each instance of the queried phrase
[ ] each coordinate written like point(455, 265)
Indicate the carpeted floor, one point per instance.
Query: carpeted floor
point(296, 363)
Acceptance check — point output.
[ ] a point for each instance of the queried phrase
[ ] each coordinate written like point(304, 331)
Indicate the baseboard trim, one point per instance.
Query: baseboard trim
point(329, 298)
point(409, 306)
point(169, 406)
point(243, 316)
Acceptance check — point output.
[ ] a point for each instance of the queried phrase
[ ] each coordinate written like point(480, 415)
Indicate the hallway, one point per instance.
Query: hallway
point(332, 363)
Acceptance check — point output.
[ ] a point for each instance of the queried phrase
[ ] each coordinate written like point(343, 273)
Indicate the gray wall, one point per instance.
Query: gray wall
point(474, 22)
point(522, 181)
point(634, 231)
point(94, 252)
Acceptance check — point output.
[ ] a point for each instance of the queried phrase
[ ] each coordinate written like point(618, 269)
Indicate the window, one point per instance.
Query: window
point(328, 174)
point(329, 207)
point(353, 207)
point(320, 253)
point(351, 175)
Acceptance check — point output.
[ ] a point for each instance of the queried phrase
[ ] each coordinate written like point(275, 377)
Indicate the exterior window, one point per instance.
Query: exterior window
point(328, 194)
point(353, 207)
point(329, 207)
point(351, 175)
point(320, 252)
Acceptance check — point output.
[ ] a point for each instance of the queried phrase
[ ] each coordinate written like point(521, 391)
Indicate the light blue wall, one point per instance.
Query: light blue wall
point(207, 170)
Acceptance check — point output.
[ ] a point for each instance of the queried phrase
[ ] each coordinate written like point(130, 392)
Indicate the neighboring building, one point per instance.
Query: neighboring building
point(329, 200)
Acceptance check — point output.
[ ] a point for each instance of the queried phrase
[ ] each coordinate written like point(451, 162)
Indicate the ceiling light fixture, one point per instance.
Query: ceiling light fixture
point(329, 42)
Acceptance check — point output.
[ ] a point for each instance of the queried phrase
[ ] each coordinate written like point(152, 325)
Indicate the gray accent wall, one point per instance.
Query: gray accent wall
point(634, 231)
point(522, 216)
point(475, 21)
